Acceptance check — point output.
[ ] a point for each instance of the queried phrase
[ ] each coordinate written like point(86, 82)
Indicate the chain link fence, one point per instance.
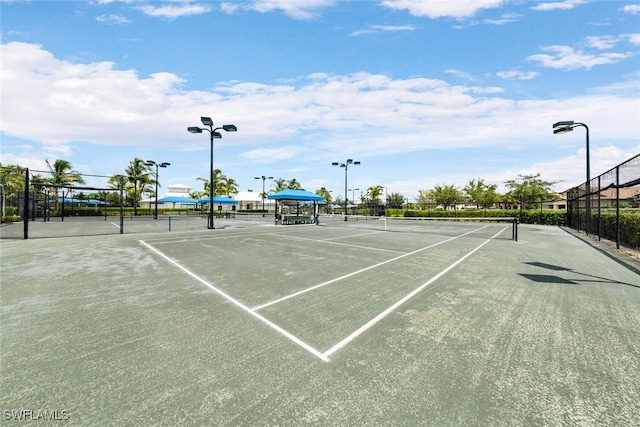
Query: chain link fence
point(608, 206)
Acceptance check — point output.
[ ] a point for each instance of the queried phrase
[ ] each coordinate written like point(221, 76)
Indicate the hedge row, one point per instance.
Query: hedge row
point(546, 217)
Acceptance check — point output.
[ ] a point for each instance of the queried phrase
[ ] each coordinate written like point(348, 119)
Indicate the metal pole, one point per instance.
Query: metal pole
point(25, 213)
point(346, 195)
point(588, 185)
point(210, 224)
point(155, 215)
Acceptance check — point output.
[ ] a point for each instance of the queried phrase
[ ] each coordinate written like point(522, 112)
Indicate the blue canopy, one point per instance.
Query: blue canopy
point(182, 200)
point(295, 195)
point(86, 201)
point(219, 199)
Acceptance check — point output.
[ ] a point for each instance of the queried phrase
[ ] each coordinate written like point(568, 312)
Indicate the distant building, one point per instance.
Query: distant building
point(251, 200)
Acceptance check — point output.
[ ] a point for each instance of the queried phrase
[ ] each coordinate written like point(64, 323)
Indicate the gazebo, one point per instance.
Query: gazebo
point(282, 218)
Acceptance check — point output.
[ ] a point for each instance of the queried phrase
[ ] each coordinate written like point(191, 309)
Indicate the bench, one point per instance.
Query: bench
point(297, 219)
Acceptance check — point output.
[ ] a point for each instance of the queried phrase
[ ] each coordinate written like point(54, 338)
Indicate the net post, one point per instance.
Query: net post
point(514, 230)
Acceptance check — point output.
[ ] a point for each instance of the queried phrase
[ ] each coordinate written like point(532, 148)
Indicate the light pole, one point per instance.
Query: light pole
point(345, 165)
point(157, 165)
point(568, 126)
point(214, 134)
point(263, 178)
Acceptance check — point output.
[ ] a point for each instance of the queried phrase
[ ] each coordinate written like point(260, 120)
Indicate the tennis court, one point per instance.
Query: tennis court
point(362, 322)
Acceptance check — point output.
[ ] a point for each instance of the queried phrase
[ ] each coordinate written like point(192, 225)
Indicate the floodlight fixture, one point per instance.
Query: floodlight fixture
point(345, 165)
point(214, 134)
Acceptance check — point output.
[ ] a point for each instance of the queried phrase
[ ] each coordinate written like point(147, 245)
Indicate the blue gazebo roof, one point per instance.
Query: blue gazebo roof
point(295, 195)
point(183, 200)
point(219, 199)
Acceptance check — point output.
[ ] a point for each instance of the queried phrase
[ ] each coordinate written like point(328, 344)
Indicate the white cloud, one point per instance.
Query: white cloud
point(631, 8)
point(383, 28)
point(517, 75)
point(566, 58)
point(507, 18)
point(112, 19)
point(317, 116)
point(175, 10)
point(438, 8)
point(307, 9)
point(562, 5)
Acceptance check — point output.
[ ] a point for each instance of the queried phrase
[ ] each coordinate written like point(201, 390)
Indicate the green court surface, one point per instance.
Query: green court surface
point(338, 324)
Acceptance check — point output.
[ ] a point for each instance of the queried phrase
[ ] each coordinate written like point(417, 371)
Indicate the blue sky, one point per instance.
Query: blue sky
point(420, 92)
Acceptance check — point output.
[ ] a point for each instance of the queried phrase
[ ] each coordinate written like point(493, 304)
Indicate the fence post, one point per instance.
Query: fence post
point(25, 213)
point(618, 207)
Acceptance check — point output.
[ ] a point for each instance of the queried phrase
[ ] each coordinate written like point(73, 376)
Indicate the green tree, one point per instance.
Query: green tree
point(395, 200)
point(446, 195)
point(529, 189)
point(326, 195)
point(62, 173)
point(425, 198)
point(12, 182)
point(137, 176)
point(293, 184)
point(374, 192)
point(279, 185)
point(480, 194)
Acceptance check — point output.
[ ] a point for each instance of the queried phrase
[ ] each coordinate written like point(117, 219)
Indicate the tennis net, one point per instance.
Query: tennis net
point(488, 228)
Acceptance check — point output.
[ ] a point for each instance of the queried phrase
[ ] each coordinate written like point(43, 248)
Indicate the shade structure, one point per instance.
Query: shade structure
point(295, 195)
point(182, 200)
point(85, 201)
point(219, 199)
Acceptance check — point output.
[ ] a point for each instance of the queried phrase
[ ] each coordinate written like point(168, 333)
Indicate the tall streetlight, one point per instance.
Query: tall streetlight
point(214, 134)
point(345, 165)
point(568, 126)
point(263, 178)
point(157, 165)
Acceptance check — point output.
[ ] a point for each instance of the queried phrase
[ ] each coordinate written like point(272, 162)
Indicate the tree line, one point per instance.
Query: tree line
point(138, 179)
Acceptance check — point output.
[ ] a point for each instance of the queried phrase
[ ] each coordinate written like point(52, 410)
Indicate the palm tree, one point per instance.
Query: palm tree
point(279, 185)
point(227, 187)
point(294, 185)
point(62, 173)
point(138, 173)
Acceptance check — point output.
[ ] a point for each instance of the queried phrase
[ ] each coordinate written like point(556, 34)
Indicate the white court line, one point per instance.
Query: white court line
point(406, 298)
point(342, 244)
point(351, 235)
point(304, 291)
point(240, 305)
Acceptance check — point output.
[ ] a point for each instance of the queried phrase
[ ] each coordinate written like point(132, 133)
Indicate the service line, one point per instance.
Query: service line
point(337, 279)
point(239, 304)
point(406, 298)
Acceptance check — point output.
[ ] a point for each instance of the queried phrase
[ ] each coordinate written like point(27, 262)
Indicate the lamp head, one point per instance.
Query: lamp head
point(562, 130)
point(206, 121)
point(217, 135)
point(150, 163)
point(194, 129)
point(335, 164)
point(349, 161)
point(356, 163)
point(164, 164)
point(563, 126)
point(230, 128)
